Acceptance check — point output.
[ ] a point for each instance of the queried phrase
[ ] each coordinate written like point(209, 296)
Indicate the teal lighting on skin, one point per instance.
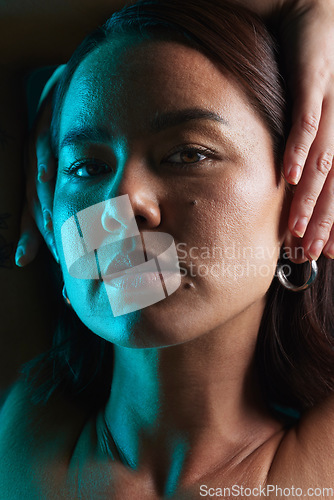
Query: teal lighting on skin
point(180, 449)
point(290, 412)
point(96, 244)
point(139, 368)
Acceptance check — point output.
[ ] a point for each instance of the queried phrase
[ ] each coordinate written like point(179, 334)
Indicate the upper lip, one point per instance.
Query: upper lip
point(123, 261)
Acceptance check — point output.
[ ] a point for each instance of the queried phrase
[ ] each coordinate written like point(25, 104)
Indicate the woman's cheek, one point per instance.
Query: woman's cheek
point(70, 198)
point(240, 225)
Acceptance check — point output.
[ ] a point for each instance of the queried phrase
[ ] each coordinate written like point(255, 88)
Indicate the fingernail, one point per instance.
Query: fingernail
point(329, 251)
point(41, 173)
point(19, 254)
point(47, 220)
point(54, 253)
point(294, 174)
point(316, 249)
point(300, 226)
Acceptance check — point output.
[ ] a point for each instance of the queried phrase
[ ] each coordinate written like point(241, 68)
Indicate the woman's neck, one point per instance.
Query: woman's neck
point(201, 395)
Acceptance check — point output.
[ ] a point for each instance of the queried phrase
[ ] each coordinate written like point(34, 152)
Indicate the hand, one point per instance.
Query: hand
point(41, 167)
point(308, 37)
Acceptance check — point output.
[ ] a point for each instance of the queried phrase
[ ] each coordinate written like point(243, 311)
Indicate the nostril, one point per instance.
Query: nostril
point(140, 219)
point(110, 224)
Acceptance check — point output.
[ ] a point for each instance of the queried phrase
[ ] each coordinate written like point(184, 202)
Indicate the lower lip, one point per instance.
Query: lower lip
point(138, 281)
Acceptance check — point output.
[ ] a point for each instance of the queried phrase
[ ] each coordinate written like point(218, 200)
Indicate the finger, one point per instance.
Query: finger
point(29, 242)
point(51, 243)
point(306, 118)
point(45, 185)
point(321, 223)
point(46, 163)
point(45, 192)
point(43, 215)
point(293, 249)
point(328, 251)
point(45, 230)
point(317, 168)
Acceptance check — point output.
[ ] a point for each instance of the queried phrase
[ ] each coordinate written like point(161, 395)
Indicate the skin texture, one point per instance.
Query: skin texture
point(239, 200)
point(238, 191)
point(191, 413)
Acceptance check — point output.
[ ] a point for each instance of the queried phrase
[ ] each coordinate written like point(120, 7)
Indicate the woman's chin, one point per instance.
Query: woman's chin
point(162, 324)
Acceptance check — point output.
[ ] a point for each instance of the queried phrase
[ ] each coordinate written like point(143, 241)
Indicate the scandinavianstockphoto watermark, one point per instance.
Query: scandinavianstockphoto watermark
point(103, 242)
point(233, 261)
point(269, 490)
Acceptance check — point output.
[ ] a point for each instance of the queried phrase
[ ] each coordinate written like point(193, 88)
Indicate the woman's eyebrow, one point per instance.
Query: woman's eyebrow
point(172, 118)
point(83, 134)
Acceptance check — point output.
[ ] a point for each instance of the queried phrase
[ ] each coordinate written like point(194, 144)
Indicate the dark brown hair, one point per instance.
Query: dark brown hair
point(294, 354)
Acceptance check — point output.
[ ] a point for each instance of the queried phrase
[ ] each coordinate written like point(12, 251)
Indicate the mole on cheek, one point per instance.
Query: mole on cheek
point(193, 202)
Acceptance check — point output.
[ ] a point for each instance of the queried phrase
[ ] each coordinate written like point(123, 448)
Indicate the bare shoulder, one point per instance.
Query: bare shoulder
point(36, 442)
point(306, 454)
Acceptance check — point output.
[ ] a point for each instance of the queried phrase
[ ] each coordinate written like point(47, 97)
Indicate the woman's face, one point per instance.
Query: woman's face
point(158, 122)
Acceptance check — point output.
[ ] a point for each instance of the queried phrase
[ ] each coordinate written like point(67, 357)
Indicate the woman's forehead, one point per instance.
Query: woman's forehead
point(149, 67)
point(128, 81)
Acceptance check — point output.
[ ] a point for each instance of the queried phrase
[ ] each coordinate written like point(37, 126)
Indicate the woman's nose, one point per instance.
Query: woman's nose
point(133, 202)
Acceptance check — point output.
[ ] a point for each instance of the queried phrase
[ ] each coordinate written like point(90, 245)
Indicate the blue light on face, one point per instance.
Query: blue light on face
point(103, 242)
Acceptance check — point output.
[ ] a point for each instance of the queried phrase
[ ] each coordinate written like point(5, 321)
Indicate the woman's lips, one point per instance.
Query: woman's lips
point(137, 281)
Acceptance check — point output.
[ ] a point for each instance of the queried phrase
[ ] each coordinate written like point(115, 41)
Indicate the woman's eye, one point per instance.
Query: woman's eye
point(88, 169)
point(187, 156)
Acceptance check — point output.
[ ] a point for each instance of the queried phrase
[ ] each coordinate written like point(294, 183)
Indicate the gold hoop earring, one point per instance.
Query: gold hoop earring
point(282, 278)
